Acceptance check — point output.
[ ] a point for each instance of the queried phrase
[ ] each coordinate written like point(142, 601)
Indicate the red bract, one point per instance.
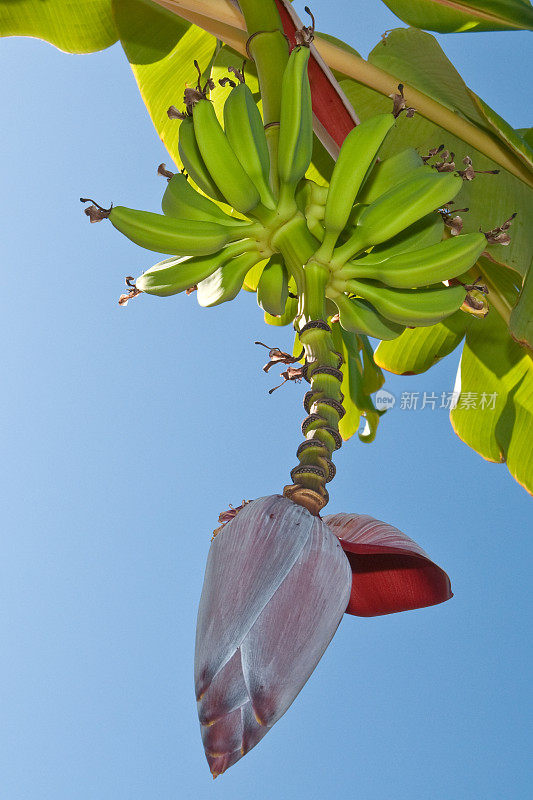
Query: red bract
point(390, 571)
point(276, 586)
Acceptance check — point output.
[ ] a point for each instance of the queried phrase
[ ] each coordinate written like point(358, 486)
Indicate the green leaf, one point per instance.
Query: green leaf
point(521, 320)
point(504, 131)
point(161, 49)
point(461, 16)
point(494, 411)
point(74, 26)
point(418, 349)
point(418, 60)
point(527, 135)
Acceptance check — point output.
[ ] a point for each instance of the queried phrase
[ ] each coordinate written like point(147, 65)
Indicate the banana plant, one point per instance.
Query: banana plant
point(304, 178)
point(446, 111)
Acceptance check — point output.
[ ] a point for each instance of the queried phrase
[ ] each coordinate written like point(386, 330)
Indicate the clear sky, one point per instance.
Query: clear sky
point(126, 431)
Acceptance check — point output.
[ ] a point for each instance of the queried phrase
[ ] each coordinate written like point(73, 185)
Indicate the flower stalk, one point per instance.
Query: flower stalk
point(323, 402)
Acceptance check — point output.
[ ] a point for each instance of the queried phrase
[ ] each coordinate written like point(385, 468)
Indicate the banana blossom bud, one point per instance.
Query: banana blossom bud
point(276, 586)
point(277, 583)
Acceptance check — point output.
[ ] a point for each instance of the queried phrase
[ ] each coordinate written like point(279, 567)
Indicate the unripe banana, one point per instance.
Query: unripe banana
point(223, 165)
point(252, 276)
point(174, 275)
point(182, 201)
point(424, 233)
point(311, 196)
point(389, 173)
point(295, 148)
point(226, 282)
point(272, 289)
point(356, 158)
point(244, 128)
point(174, 236)
point(413, 307)
point(288, 315)
point(311, 201)
point(193, 161)
point(358, 316)
point(439, 262)
point(398, 208)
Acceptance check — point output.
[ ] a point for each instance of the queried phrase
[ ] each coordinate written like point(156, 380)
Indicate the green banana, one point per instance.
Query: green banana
point(226, 281)
point(182, 201)
point(311, 196)
point(389, 173)
point(179, 237)
point(356, 158)
point(413, 307)
point(438, 262)
point(252, 277)
point(174, 275)
point(272, 289)
point(398, 208)
point(295, 147)
point(288, 316)
point(311, 201)
point(243, 125)
point(193, 161)
point(219, 157)
point(425, 232)
point(358, 316)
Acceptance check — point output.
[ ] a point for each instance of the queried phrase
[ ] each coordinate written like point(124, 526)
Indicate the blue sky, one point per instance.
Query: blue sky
point(126, 432)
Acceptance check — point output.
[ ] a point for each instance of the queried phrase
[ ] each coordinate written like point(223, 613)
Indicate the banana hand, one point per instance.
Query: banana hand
point(356, 159)
point(182, 201)
point(193, 161)
point(439, 262)
point(427, 231)
point(177, 237)
point(398, 208)
point(272, 289)
point(175, 275)
point(243, 125)
point(224, 167)
point(358, 316)
point(413, 307)
point(226, 282)
point(388, 174)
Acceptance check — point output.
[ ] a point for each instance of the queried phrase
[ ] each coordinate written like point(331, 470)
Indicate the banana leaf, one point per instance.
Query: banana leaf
point(463, 16)
point(161, 48)
point(418, 349)
point(494, 399)
point(75, 26)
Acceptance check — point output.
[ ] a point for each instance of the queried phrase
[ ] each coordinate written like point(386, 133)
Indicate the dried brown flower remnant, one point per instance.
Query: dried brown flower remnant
point(499, 235)
point(399, 104)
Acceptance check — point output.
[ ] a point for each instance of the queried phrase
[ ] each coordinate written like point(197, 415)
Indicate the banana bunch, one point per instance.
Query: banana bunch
point(375, 234)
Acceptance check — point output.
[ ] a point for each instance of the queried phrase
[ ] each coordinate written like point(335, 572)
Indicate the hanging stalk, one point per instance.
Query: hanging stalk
point(323, 402)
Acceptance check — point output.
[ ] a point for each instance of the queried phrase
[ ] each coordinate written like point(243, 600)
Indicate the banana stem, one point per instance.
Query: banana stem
point(323, 402)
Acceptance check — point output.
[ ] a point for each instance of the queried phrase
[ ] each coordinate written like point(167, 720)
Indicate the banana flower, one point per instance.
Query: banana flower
point(278, 581)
